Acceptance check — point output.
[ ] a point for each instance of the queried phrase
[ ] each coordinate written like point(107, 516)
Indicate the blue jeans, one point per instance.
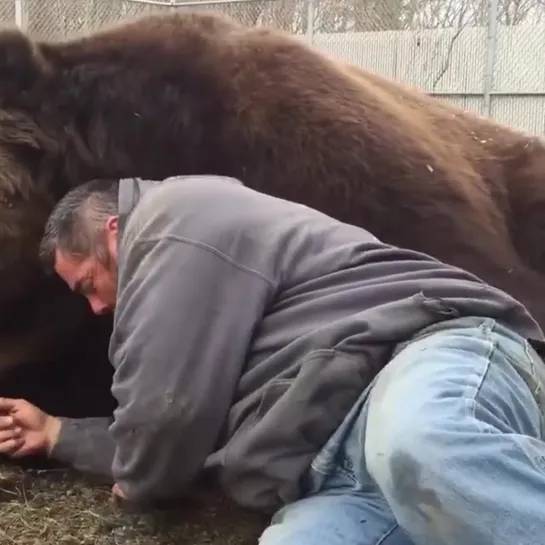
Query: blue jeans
point(446, 447)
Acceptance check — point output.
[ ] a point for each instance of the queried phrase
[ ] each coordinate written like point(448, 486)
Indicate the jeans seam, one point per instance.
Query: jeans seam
point(388, 533)
point(535, 388)
point(537, 394)
point(470, 400)
point(529, 375)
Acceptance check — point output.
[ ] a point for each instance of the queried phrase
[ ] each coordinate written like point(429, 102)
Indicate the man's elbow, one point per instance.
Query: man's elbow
point(145, 490)
point(158, 466)
point(155, 484)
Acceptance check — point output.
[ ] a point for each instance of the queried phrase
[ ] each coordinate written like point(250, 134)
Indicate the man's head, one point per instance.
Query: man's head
point(80, 242)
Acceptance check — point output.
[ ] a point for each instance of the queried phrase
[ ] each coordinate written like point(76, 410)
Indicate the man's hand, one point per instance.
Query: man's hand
point(25, 429)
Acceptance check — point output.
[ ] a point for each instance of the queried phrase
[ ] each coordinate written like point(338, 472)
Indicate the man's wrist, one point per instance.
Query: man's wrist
point(52, 431)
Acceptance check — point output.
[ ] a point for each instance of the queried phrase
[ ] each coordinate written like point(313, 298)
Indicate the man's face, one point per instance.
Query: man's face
point(92, 277)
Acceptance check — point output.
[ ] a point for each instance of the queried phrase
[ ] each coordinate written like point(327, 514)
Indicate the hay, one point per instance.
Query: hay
point(57, 507)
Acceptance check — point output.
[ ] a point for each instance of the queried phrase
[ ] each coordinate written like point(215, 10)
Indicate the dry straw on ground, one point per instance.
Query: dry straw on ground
point(55, 507)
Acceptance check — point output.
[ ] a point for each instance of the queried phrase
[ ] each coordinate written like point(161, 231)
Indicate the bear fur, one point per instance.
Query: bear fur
point(197, 93)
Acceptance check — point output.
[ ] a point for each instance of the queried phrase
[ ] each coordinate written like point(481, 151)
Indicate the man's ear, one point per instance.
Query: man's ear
point(22, 64)
point(112, 224)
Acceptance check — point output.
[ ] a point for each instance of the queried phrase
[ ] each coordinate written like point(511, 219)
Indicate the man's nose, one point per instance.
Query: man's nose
point(97, 305)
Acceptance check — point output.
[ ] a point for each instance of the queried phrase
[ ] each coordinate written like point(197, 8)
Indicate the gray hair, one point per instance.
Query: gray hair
point(76, 223)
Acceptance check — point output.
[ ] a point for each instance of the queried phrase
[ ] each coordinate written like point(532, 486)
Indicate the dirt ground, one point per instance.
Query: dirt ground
point(57, 507)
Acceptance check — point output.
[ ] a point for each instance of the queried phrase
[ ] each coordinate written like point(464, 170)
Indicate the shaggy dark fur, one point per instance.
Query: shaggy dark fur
point(195, 93)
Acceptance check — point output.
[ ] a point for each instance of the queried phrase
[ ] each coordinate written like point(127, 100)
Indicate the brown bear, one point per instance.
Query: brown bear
point(193, 93)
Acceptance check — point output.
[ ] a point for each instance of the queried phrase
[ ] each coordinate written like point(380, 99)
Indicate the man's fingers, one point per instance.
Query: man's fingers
point(8, 404)
point(9, 422)
point(6, 435)
point(11, 446)
point(6, 422)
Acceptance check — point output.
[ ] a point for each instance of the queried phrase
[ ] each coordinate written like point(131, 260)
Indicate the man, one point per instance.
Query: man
point(368, 394)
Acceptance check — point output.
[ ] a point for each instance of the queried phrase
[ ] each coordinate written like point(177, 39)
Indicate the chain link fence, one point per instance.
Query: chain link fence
point(487, 56)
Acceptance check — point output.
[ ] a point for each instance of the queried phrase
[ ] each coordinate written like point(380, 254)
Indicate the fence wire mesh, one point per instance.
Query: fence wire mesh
point(483, 55)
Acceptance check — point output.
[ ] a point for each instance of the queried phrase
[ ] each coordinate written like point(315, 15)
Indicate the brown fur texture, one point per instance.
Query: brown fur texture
point(198, 93)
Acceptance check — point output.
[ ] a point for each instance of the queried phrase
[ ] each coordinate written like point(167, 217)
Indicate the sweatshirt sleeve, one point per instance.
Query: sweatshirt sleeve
point(184, 320)
point(86, 444)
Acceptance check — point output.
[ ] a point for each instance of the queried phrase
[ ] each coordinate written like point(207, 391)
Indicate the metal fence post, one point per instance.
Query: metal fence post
point(20, 14)
point(311, 10)
point(491, 50)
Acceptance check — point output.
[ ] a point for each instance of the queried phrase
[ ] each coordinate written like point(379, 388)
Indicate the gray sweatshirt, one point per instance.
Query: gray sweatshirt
point(245, 328)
